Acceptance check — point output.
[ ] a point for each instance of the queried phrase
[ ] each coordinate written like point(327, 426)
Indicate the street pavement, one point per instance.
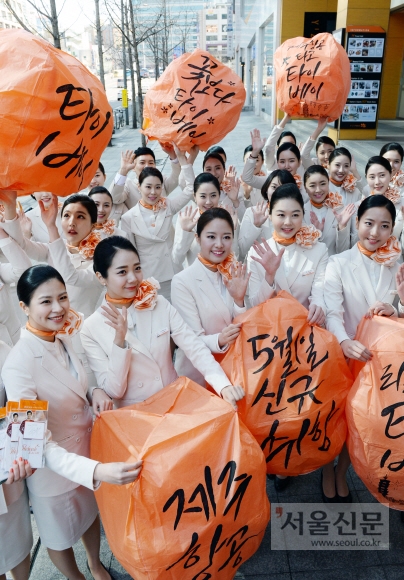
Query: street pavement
point(265, 564)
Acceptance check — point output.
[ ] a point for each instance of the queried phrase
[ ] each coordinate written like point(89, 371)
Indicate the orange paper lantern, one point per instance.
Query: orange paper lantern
point(313, 77)
point(296, 382)
point(55, 120)
point(196, 101)
point(375, 411)
point(199, 507)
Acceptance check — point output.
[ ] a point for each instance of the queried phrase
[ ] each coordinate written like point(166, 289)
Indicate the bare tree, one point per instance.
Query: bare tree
point(48, 15)
point(99, 41)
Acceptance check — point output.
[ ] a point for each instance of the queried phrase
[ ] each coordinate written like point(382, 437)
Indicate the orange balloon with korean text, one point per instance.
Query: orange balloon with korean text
point(296, 382)
point(313, 77)
point(199, 508)
point(55, 119)
point(196, 101)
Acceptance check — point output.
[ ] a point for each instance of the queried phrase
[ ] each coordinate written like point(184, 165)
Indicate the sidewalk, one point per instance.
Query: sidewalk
point(276, 565)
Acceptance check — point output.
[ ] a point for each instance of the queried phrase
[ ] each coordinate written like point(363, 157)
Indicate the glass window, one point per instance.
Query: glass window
point(267, 75)
point(211, 38)
point(224, 16)
point(246, 9)
point(224, 36)
point(211, 17)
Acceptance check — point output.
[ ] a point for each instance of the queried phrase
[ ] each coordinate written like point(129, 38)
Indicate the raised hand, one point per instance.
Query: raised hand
point(380, 309)
point(181, 155)
point(234, 189)
point(25, 222)
point(257, 142)
point(400, 283)
point(345, 215)
point(354, 349)
point(193, 154)
point(268, 259)
point(187, 218)
point(169, 149)
point(49, 214)
point(260, 213)
point(232, 395)
point(128, 162)
point(238, 284)
point(285, 120)
point(316, 222)
point(321, 124)
point(116, 319)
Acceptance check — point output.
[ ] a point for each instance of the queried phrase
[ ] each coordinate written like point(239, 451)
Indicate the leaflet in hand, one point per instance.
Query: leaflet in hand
point(22, 433)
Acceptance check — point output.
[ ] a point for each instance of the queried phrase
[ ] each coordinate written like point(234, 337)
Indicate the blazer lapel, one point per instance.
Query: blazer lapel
point(280, 276)
point(224, 309)
point(296, 264)
point(383, 286)
point(50, 364)
point(138, 223)
point(361, 277)
point(144, 328)
point(329, 220)
point(161, 216)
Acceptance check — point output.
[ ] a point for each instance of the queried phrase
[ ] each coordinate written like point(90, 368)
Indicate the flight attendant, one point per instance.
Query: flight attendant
point(105, 226)
point(374, 262)
point(128, 339)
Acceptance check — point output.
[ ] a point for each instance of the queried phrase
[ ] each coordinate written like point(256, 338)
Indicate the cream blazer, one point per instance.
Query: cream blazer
point(204, 310)
point(256, 182)
point(335, 240)
point(304, 282)
point(10, 273)
point(82, 285)
point(31, 372)
point(129, 193)
point(155, 249)
point(349, 292)
point(132, 374)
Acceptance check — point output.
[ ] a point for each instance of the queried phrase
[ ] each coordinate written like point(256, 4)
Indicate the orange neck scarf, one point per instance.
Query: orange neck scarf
point(298, 180)
point(224, 267)
point(336, 183)
point(71, 326)
point(160, 204)
point(317, 205)
point(87, 246)
point(283, 241)
point(107, 227)
point(145, 297)
point(398, 179)
point(392, 193)
point(387, 255)
point(348, 183)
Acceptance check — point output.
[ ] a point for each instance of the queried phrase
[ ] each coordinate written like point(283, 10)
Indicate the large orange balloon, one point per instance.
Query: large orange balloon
point(313, 77)
point(196, 101)
point(55, 120)
point(375, 411)
point(296, 382)
point(199, 508)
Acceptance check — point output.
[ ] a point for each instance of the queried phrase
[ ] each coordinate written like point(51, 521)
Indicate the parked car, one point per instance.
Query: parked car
point(144, 73)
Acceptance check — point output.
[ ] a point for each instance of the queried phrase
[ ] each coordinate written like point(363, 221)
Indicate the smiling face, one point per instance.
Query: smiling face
point(216, 240)
point(151, 189)
point(144, 161)
point(104, 206)
point(206, 197)
point(340, 168)
point(288, 160)
point(98, 179)
point(287, 217)
point(323, 153)
point(76, 223)
point(258, 164)
point(374, 228)
point(214, 167)
point(49, 306)
point(124, 275)
point(393, 157)
point(316, 187)
point(378, 178)
point(43, 196)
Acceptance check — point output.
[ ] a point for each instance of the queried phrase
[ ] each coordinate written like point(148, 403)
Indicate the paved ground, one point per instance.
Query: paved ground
point(276, 565)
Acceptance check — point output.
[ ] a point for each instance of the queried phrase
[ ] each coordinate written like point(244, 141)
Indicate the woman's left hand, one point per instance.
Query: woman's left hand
point(380, 309)
point(169, 149)
point(237, 286)
point(316, 315)
point(19, 470)
point(232, 395)
point(316, 222)
point(344, 216)
point(101, 402)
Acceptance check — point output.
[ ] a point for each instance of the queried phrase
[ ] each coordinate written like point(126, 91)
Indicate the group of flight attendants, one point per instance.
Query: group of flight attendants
point(122, 290)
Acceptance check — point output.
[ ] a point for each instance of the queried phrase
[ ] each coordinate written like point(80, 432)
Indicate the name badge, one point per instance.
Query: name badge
point(162, 331)
point(307, 272)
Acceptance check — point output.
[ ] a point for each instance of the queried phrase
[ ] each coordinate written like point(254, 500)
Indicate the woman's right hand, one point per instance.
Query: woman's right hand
point(354, 349)
point(229, 334)
point(49, 214)
point(232, 394)
point(128, 162)
point(19, 470)
point(187, 218)
point(260, 213)
point(118, 473)
point(268, 259)
point(257, 143)
point(118, 320)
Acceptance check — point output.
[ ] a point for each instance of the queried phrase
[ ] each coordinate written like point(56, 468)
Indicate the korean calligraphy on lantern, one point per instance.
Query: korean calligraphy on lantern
point(77, 107)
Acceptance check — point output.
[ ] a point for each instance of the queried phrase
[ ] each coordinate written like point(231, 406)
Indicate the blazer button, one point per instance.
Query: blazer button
point(78, 440)
point(140, 384)
point(156, 378)
point(85, 407)
point(89, 429)
point(74, 417)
